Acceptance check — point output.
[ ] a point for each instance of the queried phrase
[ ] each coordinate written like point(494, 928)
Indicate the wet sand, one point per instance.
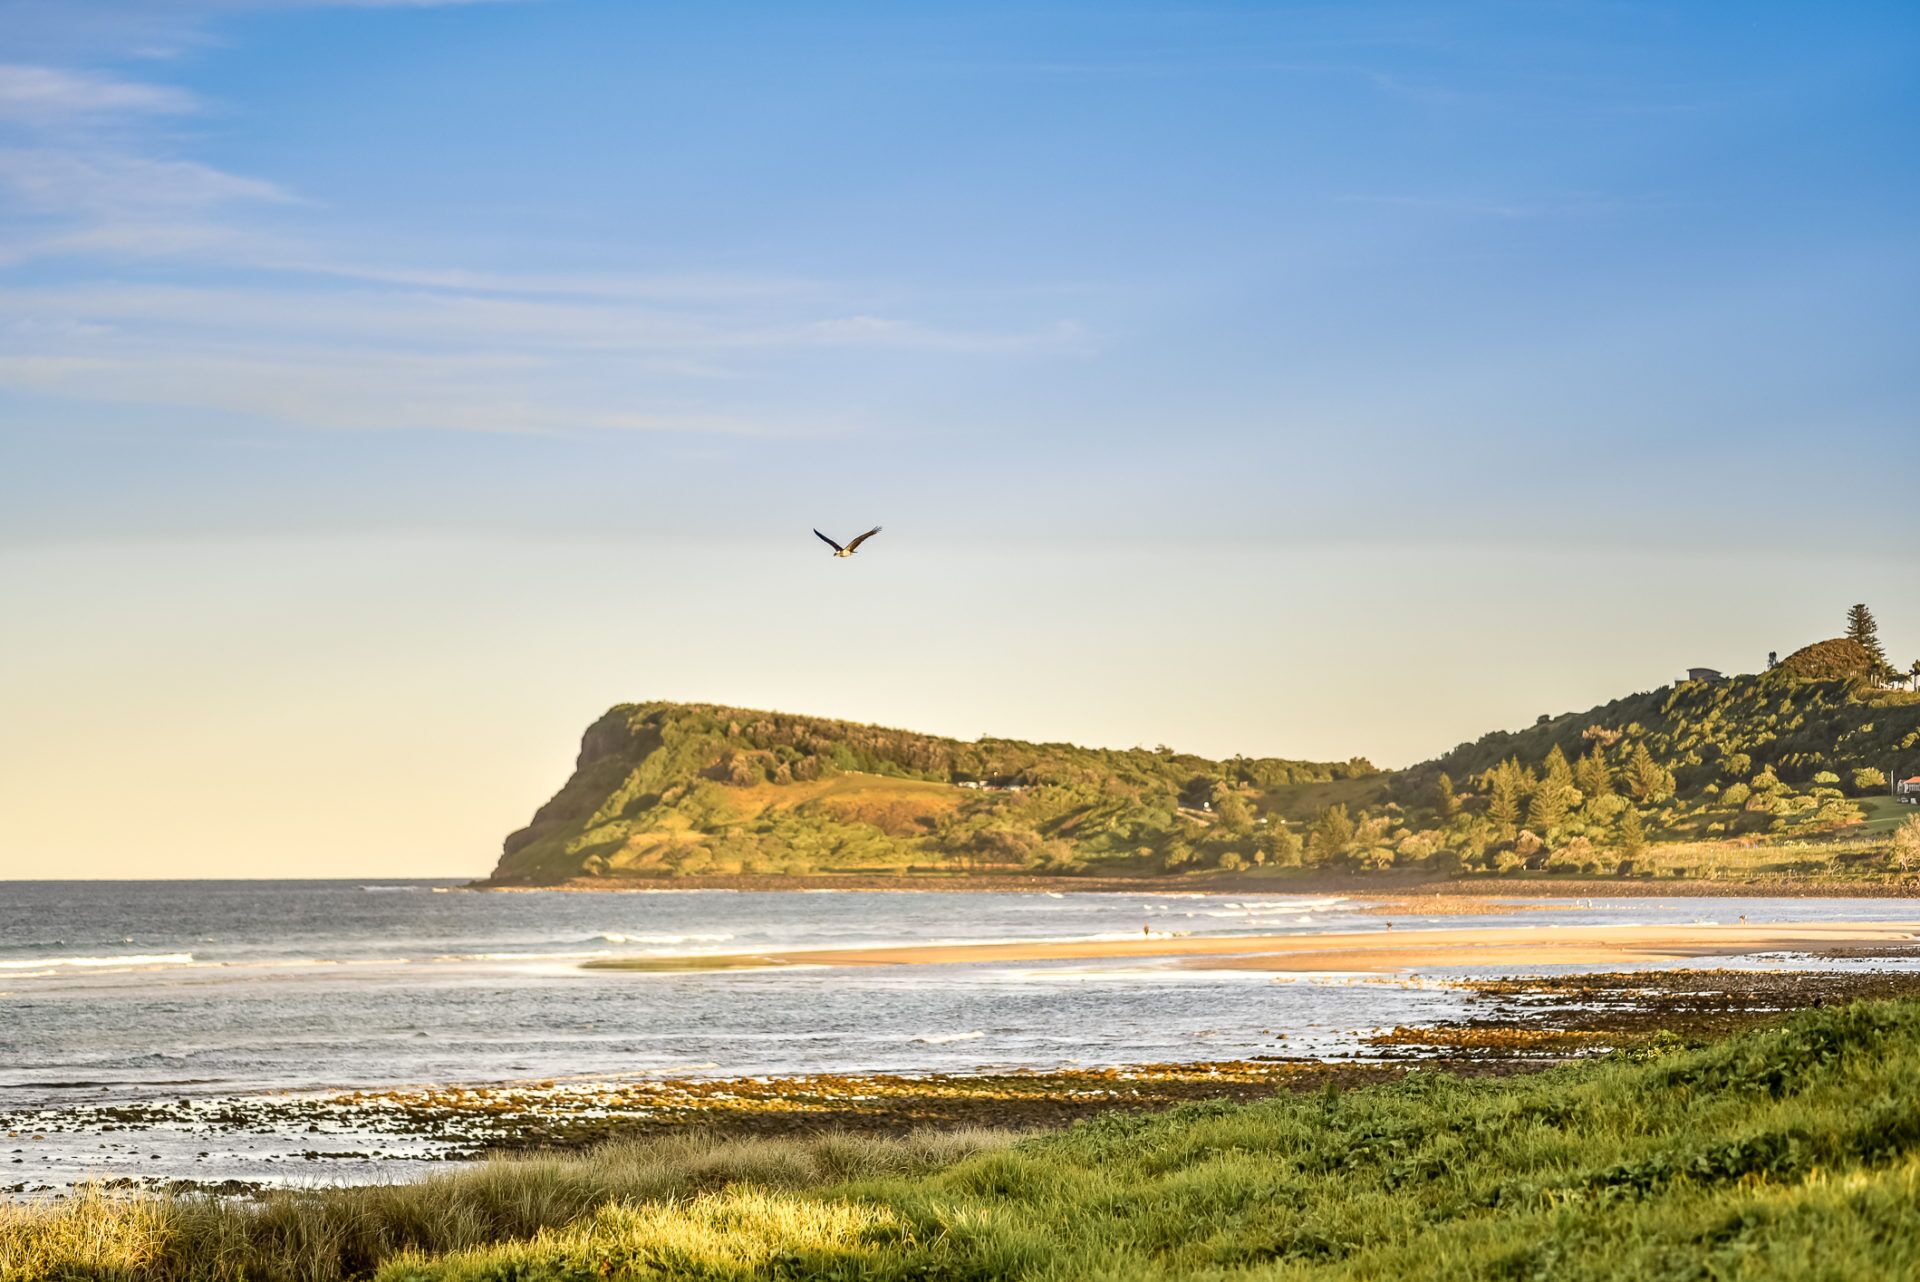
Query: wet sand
point(1381, 950)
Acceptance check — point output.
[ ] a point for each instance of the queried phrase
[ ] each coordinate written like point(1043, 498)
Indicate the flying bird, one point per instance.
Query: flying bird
point(851, 547)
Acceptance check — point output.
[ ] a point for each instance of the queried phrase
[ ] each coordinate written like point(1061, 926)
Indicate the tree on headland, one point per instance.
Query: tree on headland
point(1230, 809)
point(1592, 775)
point(1647, 780)
point(1865, 630)
point(1555, 795)
point(1633, 835)
point(1506, 783)
point(1332, 833)
point(1913, 675)
point(1279, 844)
point(1446, 805)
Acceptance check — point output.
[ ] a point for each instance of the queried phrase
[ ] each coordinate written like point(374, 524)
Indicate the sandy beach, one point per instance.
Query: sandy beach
point(1382, 950)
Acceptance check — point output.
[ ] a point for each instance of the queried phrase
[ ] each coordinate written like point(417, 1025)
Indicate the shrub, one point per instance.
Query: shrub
point(1906, 844)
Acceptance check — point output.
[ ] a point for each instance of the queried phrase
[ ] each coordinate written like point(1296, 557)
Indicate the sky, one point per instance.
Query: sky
point(386, 389)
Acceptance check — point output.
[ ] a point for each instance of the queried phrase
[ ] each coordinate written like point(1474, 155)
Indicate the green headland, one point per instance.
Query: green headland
point(1783, 778)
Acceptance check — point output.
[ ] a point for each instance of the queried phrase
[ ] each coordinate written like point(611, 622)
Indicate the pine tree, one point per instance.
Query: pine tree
point(1593, 775)
point(1646, 780)
point(1555, 772)
point(1332, 833)
point(1549, 809)
point(1862, 627)
point(1504, 806)
point(1555, 795)
point(1633, 836)
point(1446, 805)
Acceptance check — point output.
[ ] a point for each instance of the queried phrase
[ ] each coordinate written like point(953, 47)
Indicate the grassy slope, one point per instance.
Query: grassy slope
point(1790, 1152)
point(665, 788)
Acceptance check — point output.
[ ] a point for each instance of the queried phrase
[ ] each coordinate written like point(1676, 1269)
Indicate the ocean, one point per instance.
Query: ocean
point(121, 992)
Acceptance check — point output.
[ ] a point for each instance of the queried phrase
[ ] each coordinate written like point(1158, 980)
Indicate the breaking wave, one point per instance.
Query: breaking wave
point(128, 959)
point(615, 937)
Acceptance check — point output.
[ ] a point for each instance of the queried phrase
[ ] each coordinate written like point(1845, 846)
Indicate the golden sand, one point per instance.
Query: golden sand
point(1372, 950)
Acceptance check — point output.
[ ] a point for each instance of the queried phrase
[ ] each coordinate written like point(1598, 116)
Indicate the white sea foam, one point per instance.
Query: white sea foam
point(711, 937)
point(130, 959)
point(524, 957)
point(942, 1039)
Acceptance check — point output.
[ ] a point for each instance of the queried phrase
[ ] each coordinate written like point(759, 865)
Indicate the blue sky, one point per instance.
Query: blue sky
point(1298, 379)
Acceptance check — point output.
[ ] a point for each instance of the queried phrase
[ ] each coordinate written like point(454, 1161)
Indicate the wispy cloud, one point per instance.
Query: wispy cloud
point(325, 355)
point(81, 171)
point(49, 95)
point(362, 390)
point(1573, 206)
point(246, 308)
point(425, 317)
point(57, 181)
point(110, 29)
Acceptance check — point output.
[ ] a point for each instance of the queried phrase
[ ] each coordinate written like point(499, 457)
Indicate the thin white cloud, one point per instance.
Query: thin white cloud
point(54, 180)
point(119, 239)
point(95, 29)
point(679, 288)
point(1581, 206)
point(425, 318)
point(296, 334)
point(50, 95)
point(371, 391)
point(326, 355)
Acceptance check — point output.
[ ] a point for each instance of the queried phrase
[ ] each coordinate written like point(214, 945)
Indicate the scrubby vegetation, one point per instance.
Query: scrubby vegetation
point(1788, 1152)
point(1772, 776)
point(1769, 758)
point(692, 788)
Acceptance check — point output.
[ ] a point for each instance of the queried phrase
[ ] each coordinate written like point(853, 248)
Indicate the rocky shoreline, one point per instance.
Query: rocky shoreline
point(1514, 1025)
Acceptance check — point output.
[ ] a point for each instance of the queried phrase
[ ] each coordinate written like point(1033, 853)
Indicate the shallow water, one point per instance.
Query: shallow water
point(116, 992)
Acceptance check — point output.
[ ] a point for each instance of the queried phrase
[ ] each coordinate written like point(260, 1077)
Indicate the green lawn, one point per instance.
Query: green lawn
point(1883, 815)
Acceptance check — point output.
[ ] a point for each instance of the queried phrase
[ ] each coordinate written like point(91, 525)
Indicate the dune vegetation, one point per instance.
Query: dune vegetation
point(1789, 1151)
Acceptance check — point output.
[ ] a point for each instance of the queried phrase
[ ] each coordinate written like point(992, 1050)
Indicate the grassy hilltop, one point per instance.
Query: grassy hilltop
point(1690, 778)
point(681, 789)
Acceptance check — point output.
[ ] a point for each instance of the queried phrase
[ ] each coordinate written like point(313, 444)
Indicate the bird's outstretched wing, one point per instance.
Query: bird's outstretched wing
point(829, 542)
point(863, 538)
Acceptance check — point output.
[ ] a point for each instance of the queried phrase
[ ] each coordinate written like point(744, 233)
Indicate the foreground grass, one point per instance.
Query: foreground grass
point(1788, 1152)
point(348, 1232)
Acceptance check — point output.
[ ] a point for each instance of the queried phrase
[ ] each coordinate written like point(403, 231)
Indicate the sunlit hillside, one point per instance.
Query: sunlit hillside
point(666, 789)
